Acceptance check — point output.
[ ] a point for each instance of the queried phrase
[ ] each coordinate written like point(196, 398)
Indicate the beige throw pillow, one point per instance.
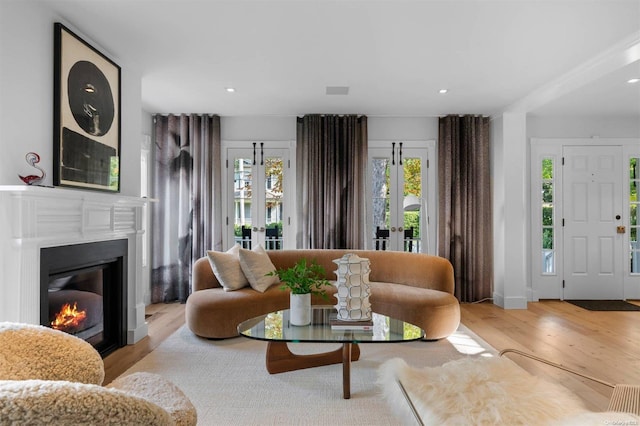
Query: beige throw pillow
point(226, 268)
point(256, 264)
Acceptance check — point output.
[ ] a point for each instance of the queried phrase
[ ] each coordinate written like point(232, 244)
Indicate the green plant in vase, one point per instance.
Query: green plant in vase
point(302, 280)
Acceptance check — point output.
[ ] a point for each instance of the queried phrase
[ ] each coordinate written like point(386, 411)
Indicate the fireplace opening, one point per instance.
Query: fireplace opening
point(83, 292)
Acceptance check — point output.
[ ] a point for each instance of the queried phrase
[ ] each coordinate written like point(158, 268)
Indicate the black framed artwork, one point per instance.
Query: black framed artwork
point(86, 115)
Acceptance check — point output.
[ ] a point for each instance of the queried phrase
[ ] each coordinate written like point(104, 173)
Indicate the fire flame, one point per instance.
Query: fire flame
point(69, 318)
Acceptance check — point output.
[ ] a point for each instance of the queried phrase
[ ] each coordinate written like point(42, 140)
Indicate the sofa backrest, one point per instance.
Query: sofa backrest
point(414, 269)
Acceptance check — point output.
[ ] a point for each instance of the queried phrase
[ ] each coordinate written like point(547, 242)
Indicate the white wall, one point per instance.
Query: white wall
point(402, 128)
point(147, 123)
point(26, 95)
point(284, 128)
point(510, 212)
point(583, 127)
point(26, 88)
point(497, 179)
point(272, 128)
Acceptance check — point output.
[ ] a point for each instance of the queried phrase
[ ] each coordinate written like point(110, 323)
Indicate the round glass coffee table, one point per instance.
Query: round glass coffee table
point(276, 329)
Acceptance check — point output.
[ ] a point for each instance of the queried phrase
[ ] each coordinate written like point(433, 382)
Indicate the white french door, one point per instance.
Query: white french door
point(257, 193)
point(402, 196)
point(593, 211)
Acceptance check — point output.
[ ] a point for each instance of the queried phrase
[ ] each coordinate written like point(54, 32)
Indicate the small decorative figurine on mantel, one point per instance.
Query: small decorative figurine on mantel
point(33, 159)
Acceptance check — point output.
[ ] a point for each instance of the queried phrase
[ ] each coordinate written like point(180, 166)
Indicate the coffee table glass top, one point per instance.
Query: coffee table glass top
point(275, 327)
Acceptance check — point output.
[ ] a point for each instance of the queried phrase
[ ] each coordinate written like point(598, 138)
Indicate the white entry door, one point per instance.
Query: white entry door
point(593, 249)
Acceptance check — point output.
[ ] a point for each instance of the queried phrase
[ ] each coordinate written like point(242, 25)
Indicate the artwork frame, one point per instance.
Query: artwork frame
point(87, 115)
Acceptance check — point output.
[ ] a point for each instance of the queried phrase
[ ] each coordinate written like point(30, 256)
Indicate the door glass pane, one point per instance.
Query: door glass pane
point(380, 170)
point(547, 216)
point(273, 178)
point(634, 165)
point(242, 186)
point(548, 252)
point(412, 203)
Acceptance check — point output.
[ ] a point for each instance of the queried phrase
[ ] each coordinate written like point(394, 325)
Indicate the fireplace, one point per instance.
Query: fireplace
point(83, 292)
point(34, 218)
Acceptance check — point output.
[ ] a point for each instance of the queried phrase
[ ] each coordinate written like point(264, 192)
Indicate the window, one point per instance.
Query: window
point(547, 211)
point(634, 227)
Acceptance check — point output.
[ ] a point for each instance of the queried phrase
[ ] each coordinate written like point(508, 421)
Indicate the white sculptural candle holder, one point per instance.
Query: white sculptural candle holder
point(353, 288)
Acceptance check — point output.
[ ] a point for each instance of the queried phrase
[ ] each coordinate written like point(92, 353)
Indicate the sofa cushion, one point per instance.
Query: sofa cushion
point(436, 312)
point(215, 314)
point(226, 268)
point(256, 265)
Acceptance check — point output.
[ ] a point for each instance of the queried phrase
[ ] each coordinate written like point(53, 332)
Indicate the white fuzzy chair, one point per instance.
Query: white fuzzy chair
point(36, 352)
point(47, 376)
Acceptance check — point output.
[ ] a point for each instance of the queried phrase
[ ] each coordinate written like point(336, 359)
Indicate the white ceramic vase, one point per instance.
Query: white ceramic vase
point(300, 309)
point(353, 288)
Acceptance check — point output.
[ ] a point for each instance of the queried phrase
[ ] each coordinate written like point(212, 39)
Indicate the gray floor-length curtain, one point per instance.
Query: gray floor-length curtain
point(465, 235)
point(186, 219)
point(331, 168)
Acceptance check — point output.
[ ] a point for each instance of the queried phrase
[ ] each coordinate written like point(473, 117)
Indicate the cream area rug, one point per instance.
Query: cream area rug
point(228, 383)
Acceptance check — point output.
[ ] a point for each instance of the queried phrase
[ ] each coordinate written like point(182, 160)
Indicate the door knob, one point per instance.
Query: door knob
point(255, 229)
point(400, 229)
point(618, 217)
point(393, 229)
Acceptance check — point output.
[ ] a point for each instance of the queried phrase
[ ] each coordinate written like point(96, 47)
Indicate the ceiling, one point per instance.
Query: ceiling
point(393, 55)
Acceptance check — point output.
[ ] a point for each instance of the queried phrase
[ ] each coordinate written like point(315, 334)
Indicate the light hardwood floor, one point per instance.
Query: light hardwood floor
point(163, 320)
point(605, 345)
point(601, 344)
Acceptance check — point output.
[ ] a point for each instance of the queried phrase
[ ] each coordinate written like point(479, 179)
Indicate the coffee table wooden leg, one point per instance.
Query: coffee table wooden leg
point(346, 370)
point(280, 359)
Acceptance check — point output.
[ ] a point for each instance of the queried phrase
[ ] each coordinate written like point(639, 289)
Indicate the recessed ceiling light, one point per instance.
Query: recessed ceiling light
point(443, 91)
point(230, 89)
point(337, 90)
point(633, 80)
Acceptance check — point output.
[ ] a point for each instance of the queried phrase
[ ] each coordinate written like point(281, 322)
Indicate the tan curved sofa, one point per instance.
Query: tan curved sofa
point(414, 287)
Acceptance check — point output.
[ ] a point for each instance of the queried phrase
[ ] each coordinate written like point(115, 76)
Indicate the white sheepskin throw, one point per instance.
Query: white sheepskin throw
point(37, 352)
point(476, 391)
point(42, 402)
point(160, 391)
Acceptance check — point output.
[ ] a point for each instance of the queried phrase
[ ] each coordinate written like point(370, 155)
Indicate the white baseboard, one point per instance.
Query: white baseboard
point(509, 302)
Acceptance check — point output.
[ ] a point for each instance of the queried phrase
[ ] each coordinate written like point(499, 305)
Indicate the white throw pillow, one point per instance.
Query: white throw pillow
point(226, 268)
point(256, 264)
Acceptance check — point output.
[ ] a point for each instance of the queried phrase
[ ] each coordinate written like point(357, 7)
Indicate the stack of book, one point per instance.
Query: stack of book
point(339, 325)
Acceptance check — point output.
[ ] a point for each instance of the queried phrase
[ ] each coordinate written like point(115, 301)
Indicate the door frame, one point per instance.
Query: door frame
point(289, 186)
point(549, 285)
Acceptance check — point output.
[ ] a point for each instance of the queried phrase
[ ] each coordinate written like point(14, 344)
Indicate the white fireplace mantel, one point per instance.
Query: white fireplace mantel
point(32, 218)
